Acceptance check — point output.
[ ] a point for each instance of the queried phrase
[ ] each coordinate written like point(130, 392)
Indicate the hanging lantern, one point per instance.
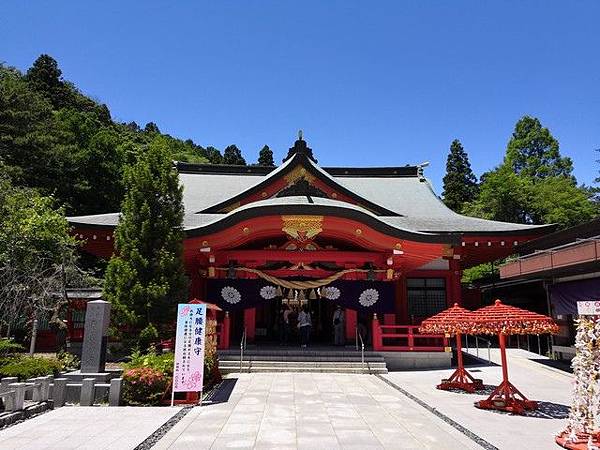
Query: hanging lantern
point(278, 292)
point(312, 295)
point(301, 296)
point(291, 294)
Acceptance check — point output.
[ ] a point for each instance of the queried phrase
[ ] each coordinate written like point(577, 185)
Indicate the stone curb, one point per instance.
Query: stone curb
point(13, 417)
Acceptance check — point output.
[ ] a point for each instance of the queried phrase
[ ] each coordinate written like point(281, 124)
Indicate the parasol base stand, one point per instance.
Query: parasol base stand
point(507, 398)
point(461, 379)
point(581, 441)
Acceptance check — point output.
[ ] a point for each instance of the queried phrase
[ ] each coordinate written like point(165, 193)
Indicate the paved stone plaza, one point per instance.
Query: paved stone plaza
point(100, 427)
point(529, 373)
point(325, 411)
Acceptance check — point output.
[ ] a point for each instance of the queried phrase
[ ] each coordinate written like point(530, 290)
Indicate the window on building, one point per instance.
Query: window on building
point(426, 296)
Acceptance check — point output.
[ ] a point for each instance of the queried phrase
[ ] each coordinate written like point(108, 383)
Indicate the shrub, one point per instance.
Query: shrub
point(146, 377)
point(68, 361)
point(24, 367)
point(9, 347)
point(144, 386)
point(162, 362)
point(147, 336)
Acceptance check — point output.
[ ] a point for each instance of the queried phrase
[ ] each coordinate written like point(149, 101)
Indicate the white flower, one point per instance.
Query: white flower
point(331, 293)
point(231, 294)
point(268, 292)
point(368, 297)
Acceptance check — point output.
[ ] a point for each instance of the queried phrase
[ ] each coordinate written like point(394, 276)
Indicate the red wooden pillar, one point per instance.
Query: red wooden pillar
point(225, 331)
point(250, 323)
point(401, 301)
point(351, 317)
point(376, 333)
point(454, 289)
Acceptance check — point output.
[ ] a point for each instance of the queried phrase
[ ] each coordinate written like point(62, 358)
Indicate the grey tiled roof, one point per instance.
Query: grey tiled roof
point(411, 197)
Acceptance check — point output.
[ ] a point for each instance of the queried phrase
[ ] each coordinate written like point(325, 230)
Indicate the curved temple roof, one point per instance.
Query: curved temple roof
point(398, 199)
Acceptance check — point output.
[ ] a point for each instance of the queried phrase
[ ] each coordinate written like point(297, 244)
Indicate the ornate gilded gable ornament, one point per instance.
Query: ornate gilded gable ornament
point(300, 147)
point(301, 188)
point(298, 173)
point(302, 228)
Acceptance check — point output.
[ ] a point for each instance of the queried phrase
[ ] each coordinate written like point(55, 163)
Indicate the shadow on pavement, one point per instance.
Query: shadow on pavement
point(222, 393)
point(545, 410)
point(560, 365)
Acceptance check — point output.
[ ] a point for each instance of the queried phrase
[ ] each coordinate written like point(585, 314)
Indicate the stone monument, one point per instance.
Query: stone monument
point(93, 355)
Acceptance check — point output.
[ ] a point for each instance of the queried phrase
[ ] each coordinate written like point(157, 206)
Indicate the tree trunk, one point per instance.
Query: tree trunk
point(34, 331)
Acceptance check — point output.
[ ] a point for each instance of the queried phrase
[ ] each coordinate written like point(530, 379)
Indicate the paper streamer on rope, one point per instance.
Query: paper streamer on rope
point(299, 285)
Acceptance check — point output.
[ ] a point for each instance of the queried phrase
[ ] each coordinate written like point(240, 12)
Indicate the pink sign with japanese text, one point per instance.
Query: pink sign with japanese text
point(189, 348)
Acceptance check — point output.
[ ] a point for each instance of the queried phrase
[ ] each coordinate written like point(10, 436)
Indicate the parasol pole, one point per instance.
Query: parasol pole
point(502, 340)
point(459, 355)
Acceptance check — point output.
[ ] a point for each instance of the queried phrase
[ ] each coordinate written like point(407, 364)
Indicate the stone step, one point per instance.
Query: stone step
point(292, 368)
point(299, 352)
point(302, 358)
point(300, 364)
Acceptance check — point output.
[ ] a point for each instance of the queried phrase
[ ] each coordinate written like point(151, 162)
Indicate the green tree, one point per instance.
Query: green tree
point(145, 279)
point(233, 156)
point(214, 155)
point(460, 184)
point(558, 200)
point(37, 256)
point(503, 195)
point(533, 152)
point(265, 157)
point(45, 77)
point(151, 127)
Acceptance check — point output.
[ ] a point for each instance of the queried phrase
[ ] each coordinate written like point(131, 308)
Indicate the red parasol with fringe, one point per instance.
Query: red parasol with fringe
point(505, 320)
point(454, 321)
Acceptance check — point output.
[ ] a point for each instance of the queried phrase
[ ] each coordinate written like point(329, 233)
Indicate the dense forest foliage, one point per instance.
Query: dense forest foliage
point(65, 144)
point(534, 184)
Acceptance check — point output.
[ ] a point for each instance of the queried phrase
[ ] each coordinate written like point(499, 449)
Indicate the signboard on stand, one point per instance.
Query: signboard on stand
point(588, 308)
point(190, 337)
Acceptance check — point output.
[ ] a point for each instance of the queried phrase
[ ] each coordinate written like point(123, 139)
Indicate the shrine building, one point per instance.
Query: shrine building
point(375, 240)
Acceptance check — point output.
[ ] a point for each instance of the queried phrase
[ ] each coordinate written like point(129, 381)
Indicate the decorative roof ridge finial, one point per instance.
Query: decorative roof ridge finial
point(300, 147)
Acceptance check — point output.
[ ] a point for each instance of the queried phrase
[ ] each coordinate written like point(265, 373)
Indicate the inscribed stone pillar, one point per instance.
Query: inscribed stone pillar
point(97, 318)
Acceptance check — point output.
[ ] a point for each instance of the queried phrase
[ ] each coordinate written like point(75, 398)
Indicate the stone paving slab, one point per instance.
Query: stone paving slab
point(95, 427)
point(312, 410)
point(537, 381)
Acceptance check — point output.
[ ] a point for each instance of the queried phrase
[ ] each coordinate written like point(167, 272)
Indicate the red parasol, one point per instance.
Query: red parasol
point(506, 320)
point(454, 321)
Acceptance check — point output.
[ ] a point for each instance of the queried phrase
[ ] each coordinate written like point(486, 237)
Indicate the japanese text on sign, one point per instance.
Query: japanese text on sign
point(588, 308)
point(189, 348)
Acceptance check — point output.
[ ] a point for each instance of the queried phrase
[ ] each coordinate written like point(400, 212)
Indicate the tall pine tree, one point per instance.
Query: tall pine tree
point(145, 279)
point(265, 157)
point(533, 152)
point(460, 184)
point(233, 156)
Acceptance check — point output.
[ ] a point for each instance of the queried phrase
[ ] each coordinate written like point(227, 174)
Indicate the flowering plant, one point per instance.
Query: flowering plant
point(144, 386)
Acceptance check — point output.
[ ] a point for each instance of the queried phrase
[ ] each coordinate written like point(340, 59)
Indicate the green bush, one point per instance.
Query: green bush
point(9, 347)
point(147, 337)
point(144, 386)
point(162, 362)
point(24, 367)
point(146, 377)
point(68, 361)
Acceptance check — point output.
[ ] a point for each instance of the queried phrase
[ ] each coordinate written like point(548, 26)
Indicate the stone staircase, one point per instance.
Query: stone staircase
point(301, 360)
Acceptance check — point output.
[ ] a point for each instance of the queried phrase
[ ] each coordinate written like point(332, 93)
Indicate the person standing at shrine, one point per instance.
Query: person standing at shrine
point(304, 324)
point(338, 326)
point(284, 324)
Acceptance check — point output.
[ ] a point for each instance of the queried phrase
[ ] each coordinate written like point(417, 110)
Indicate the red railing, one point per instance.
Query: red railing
point(406, 338)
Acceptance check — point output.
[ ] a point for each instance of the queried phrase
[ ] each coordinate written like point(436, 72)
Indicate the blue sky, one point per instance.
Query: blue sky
point(370, 83)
